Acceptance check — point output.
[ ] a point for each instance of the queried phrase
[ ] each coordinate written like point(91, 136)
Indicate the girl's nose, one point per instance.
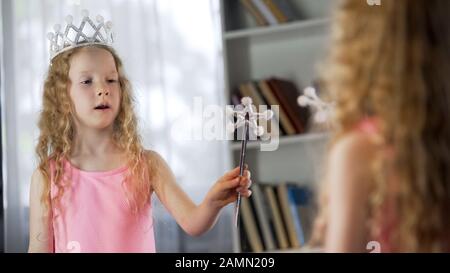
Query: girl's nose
point(104, 92)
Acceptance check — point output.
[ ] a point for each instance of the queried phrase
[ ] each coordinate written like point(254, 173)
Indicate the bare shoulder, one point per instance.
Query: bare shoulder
point(37, 174)
point(159, 167)
point(354, 147)
point(37, 179)
point(350, 160)
point(150, 154)
point(155, 158)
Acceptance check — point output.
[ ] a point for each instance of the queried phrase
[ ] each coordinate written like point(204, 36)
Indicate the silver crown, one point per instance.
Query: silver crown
point(88, 33)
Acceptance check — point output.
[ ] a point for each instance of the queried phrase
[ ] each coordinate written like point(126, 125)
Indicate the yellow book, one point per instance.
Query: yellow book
point(254, 12)
point(287, 216)
point(280, 232)
point(281, 17)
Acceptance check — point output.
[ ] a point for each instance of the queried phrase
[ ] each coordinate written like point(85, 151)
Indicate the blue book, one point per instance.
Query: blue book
point(298, 197)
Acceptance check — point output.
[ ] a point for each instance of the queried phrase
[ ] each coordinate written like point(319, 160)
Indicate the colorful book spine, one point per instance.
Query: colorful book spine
point(259, 18)
point(265, 11)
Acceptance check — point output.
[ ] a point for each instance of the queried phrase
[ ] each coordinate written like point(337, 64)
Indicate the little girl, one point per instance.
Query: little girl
point(387, 186)
point(92, 189)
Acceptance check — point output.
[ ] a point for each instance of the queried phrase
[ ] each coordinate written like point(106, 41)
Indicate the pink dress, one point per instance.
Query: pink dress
point(385, 223)
point(96, 216)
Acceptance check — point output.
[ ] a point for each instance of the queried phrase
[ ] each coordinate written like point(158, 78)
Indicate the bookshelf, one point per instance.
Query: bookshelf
point(266, 30)
point(296, 139)
point(288, 50)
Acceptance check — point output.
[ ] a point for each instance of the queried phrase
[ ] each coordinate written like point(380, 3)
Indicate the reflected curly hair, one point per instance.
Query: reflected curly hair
point(57, 128)
point(393, 62)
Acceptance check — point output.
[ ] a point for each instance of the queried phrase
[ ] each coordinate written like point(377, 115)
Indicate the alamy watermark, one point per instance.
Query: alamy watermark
point(374, 246)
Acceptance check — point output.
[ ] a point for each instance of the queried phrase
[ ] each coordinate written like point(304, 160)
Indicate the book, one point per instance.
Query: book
point(287, 94)
point(275, 118)
point(292, 232)
point(262, 211)
point(259, 18)
point(265, 11)
point(245, 91)
point(268, 94)
point(259, 101)
point(251, 229)
point(243, 239)
point(288, 10)
point(279, 15)
point(297, 197)
point(280, 232)
point(302, 198)
point(235, 99)
point(276, 115)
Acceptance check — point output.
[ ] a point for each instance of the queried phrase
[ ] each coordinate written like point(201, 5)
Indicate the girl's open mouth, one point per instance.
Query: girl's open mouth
point(102, 107)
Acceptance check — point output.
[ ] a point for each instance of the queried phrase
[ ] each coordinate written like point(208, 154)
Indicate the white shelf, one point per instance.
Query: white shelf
point(236, 146)
point(297, 25)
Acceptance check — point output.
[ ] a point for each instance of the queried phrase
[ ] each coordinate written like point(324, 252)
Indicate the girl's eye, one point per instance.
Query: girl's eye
point(87, 82)
point(112, 80)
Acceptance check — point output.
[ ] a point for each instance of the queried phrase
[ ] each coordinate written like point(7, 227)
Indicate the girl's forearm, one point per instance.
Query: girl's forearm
point(202, 219)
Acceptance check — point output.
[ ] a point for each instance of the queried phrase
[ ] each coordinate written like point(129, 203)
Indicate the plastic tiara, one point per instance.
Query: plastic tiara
point(88, 33)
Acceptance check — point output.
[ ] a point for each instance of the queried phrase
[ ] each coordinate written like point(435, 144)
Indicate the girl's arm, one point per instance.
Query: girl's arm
point(349, 180)
point(41, 233)
point(196, 219)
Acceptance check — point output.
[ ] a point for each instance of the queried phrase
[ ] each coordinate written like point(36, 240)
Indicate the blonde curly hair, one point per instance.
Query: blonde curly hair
point(393, 62)
point(57, 127)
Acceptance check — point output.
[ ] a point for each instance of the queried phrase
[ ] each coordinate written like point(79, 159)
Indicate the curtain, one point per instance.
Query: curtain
point(171, 51)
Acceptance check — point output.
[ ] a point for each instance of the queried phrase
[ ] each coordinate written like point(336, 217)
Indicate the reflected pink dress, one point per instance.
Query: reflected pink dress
point(386, 221)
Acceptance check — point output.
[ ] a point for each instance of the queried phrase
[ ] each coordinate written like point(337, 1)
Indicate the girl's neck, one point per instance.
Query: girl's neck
point(94, 142)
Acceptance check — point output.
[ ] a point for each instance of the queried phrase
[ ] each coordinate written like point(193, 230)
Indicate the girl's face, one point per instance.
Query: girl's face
point(94, 87)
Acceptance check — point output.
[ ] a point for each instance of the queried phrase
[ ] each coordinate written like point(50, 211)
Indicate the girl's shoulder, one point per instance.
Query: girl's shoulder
point(37, 179)
point(156, 162)
point(352, 157)
point(153, 157)
point(150, 153)
point(354, 152)
point(360, 142)
point(354, 147)
point(158, 167)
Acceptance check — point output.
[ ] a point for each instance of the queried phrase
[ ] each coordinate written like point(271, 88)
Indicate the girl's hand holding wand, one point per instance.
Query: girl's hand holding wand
point(226, 188)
